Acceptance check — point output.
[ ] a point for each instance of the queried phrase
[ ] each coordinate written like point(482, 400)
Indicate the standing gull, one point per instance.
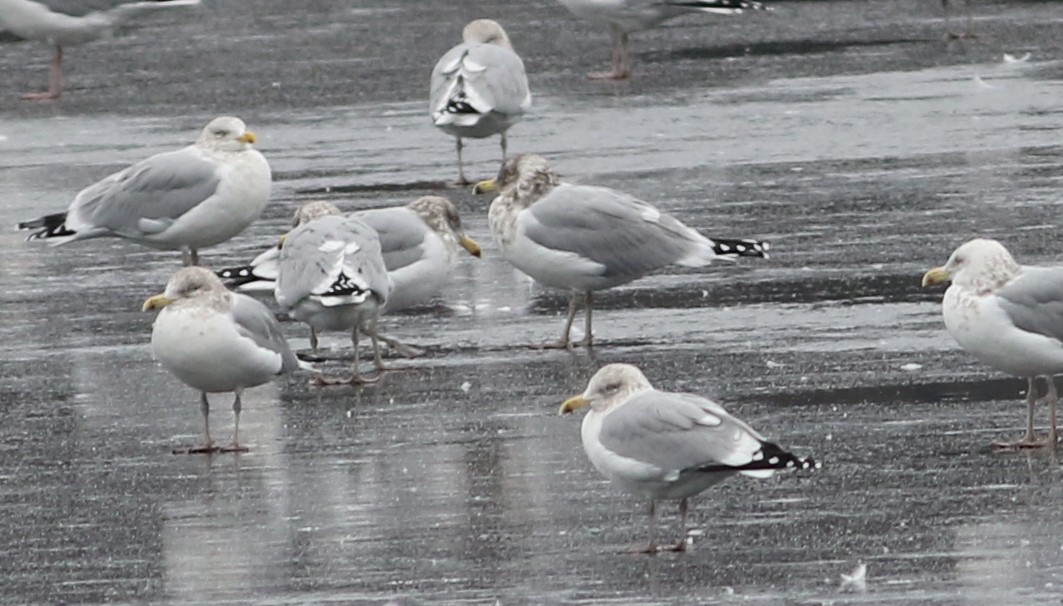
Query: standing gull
point(479, 87)
point(661, 445)
point(583, 238)
point(216, 341)
point(1008, 316)
point(62, 23)
point(625, 17)
point(332, 276)
point(419, 243)
point(184, 200)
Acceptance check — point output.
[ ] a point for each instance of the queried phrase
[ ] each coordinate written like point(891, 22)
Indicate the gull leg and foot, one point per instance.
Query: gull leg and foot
point(404, 350)
point(314, 355)
point(55, 80)
point(563, 342)
point(208, 446)
point(651, 548)
point(504, 146)
point(235, 446)
point(189, 257)
point(356, 377)
point(621, 67)
point(588, 335)
point(682, 544)
point(461, 166)
point(1030, 439)
point(1053, 403)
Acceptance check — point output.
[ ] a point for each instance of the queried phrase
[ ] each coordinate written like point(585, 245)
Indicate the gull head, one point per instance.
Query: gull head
point(523, 175)
point(980, 264)
point(442, 216)
point(486, 31)
point(313, 210)
point(187, 283)
point(226, 133)
point(609, 387)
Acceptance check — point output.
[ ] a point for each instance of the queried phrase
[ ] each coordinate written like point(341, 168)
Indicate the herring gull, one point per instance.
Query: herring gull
point(216, 341)
point(419, 242)
point(62, 23)
point(1009, 317)
point(625, 17)
point(331, 276)
point(662, 445)
point(479, 88)
point(584, 238)
point(188, 199)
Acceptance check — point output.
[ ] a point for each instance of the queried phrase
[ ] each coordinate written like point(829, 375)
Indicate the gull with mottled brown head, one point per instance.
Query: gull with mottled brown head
point(189, 199)
point(216, 341)
point(583, 238)
point(479, 88)
point(661, 445)
point(1009, 317)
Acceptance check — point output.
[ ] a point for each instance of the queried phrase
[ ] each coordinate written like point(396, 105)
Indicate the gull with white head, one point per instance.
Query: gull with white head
point(1009, 317)
point(479, 88)
point(189, 199)
point(661, 445)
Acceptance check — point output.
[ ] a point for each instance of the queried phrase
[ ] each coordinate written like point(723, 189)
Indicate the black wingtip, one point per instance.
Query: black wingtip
point(237, 276)
point(728, 247)
point(770, 456)
point(48, 226)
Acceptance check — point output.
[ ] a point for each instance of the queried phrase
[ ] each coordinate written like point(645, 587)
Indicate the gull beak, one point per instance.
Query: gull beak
point(938, 275)
point(573, 404)
point(248, 137)
point(470, 245)
point(156, 302)
point(280, 243)
point(486, 187)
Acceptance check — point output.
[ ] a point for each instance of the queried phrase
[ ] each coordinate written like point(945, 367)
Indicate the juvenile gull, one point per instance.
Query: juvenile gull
point(1008, 316)
point(583, 238)
point(479, 88)
point(216, 341)
point(661, 445)
point(419, 243)
point(332, 276)
point(62, 23)
point(625, 17)
point(185, 200)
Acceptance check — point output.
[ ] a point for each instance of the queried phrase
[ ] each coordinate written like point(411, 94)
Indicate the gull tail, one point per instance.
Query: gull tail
point(49, 226)
point(766, 461)
point(719, 7)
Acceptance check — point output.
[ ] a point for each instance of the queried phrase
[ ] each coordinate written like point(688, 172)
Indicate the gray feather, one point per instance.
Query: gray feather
point(1034, 301)
point(256, 322)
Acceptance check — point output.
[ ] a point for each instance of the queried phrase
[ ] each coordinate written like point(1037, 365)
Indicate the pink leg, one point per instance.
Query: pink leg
point(621, 67)
point(55, 80)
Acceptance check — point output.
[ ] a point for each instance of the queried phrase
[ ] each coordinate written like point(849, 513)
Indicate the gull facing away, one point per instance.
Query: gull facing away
point(584, 238)
point(332, 277)
point(661, 445)
point(625, 17)
point(217, 341)
point(192, 198)
point(420, 244)
point(1009, 317)
point(62, 23)
point(479, 88)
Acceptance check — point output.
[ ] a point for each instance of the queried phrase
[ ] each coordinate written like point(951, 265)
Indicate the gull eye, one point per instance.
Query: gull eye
point(221, 134)
point(611, 388)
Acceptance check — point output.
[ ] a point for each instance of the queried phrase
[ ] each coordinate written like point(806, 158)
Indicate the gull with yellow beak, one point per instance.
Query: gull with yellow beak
point(1009, 317)
point(661, 445)
point(217, 341)
point(189, 199)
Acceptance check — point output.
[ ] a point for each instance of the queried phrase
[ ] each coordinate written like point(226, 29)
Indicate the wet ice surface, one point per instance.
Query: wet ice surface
point(849, 134)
